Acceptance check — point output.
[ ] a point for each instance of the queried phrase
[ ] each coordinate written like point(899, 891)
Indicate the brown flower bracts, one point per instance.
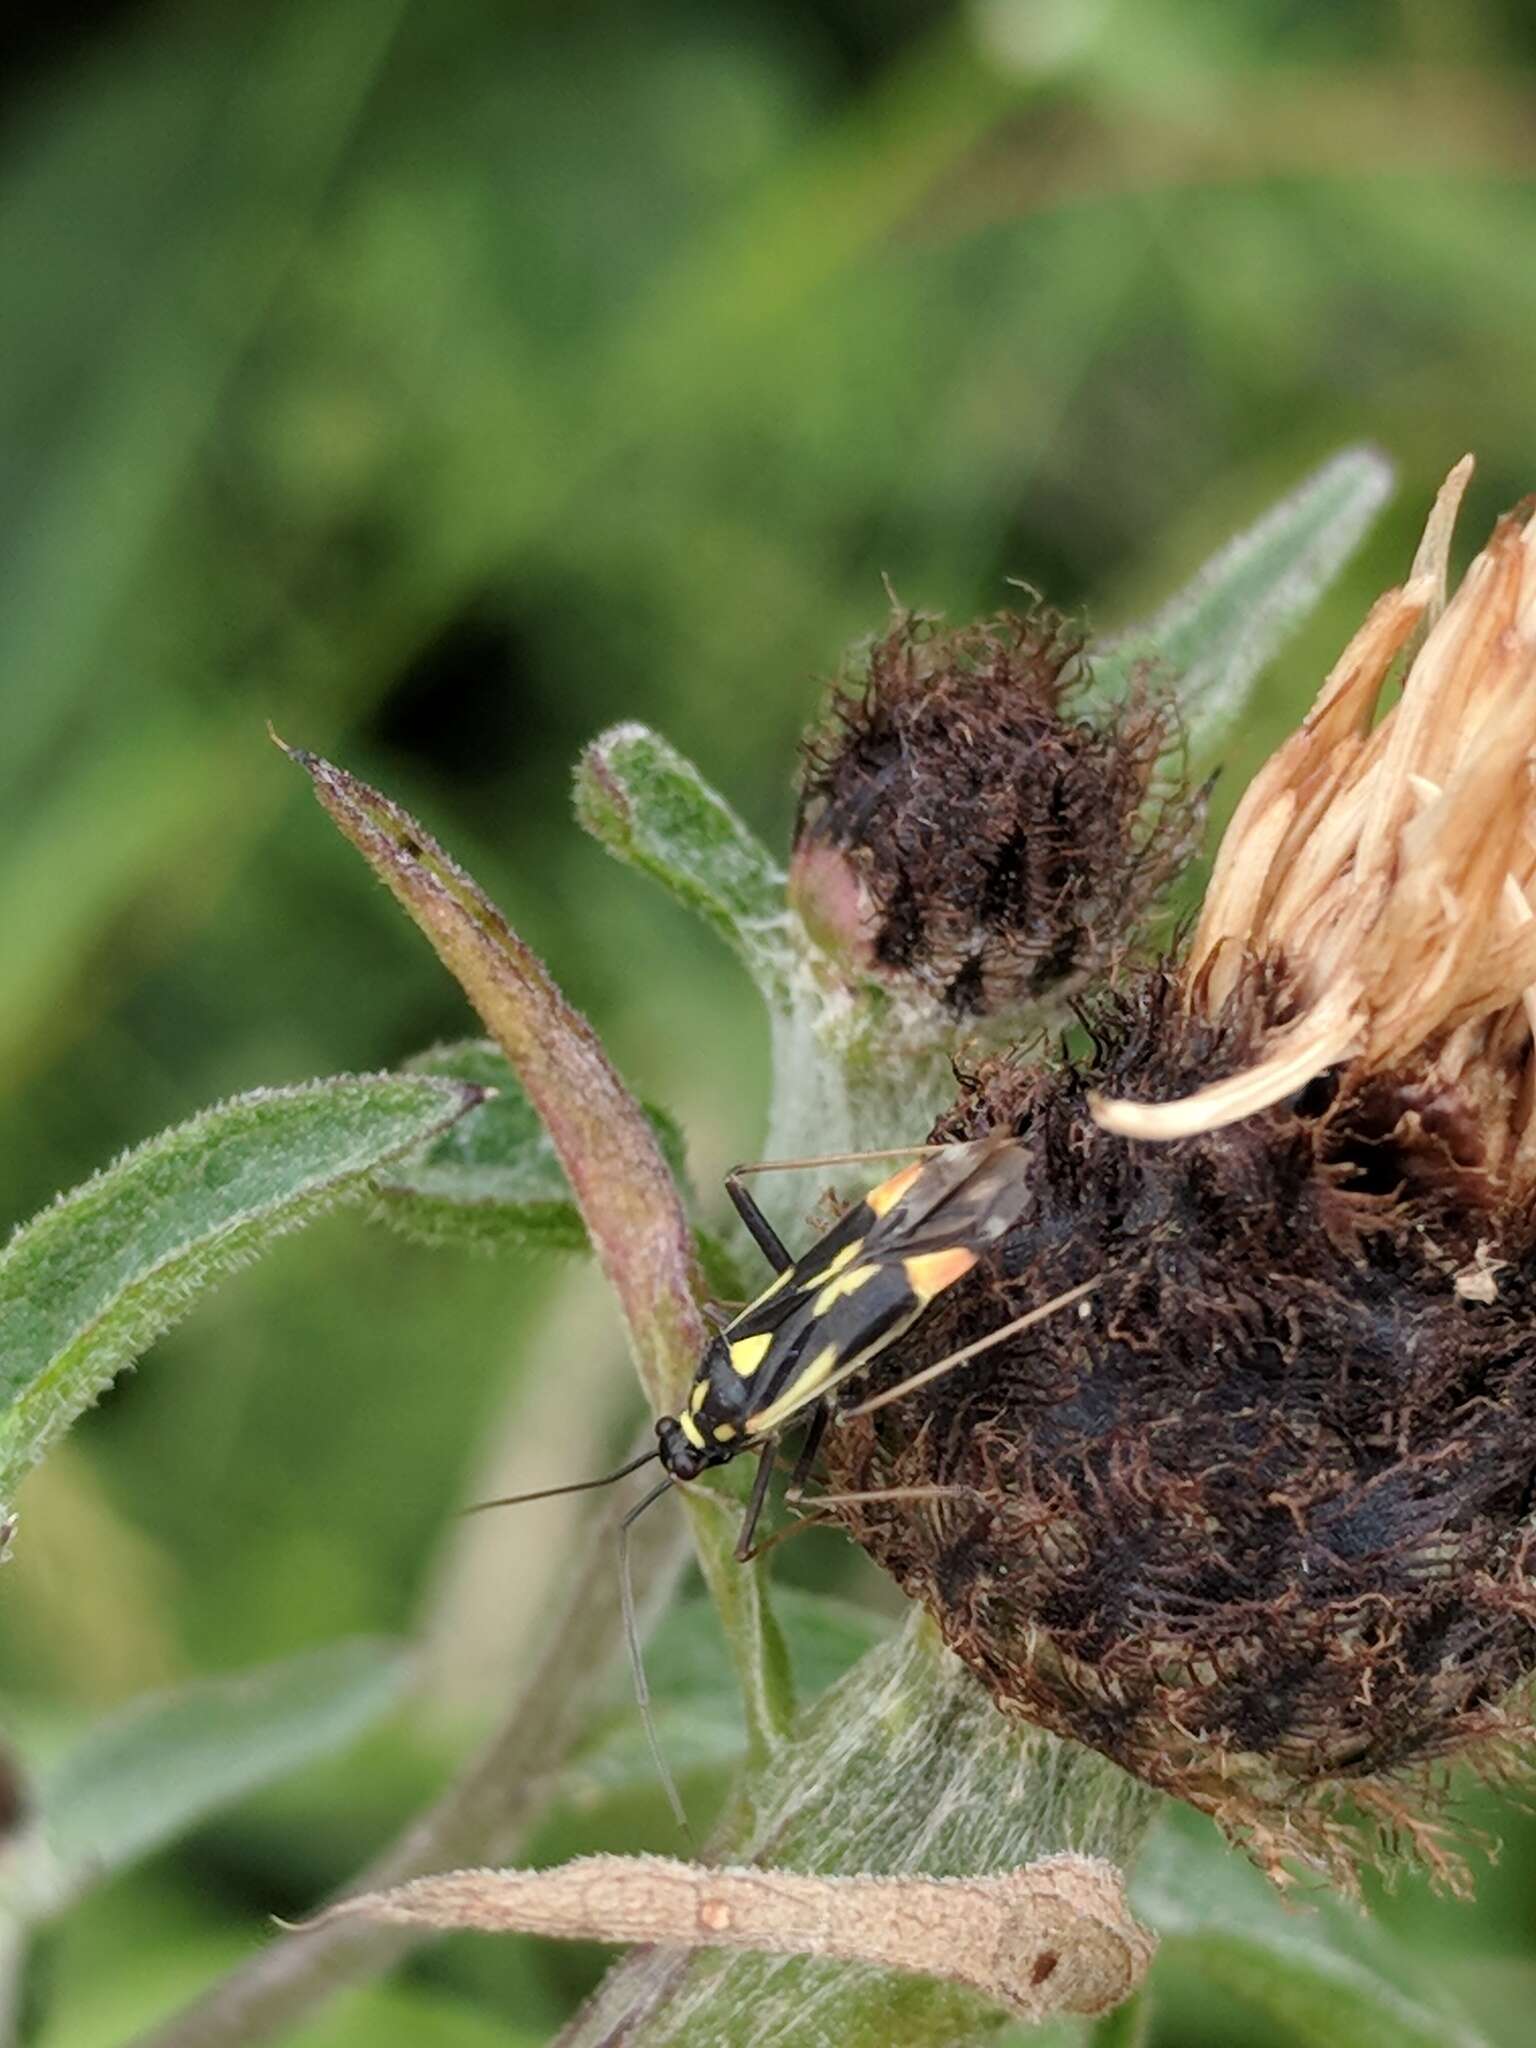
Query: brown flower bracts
point(969, 831)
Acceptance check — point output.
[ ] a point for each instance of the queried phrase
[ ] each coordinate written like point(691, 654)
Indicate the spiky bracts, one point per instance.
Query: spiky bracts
point(969, 830)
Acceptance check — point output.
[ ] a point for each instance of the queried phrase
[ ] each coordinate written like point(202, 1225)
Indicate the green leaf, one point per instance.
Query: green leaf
point(493, 1180)
point(1335, 1978)
point(90, 1283)
point(1214, 639)
point(651, 808)
point(148, 1773)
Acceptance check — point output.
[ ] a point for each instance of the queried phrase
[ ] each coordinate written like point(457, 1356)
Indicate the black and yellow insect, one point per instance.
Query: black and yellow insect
point(826, 1315)
point(830, 1312)
point(823, 1318)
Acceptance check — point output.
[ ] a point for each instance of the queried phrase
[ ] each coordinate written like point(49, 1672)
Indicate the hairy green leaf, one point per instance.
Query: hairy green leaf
point(159, 1766)
point(1213, 640)
point(1331, 1976)
point(90, 1283)
point(651, 808)
point(494, 1179)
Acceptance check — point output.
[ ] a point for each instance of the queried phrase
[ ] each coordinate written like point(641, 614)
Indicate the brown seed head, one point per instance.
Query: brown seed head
point(967, 830)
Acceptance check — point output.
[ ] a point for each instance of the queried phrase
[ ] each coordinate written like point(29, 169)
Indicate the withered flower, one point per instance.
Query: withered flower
point(971, 830)
point(1256, 1518)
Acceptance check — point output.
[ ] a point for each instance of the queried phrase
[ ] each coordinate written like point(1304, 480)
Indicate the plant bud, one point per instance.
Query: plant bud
point(1255, 1517)
point(969, 831)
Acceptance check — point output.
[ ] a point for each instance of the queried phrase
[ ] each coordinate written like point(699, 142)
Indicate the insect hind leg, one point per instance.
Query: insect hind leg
point(764, 1236)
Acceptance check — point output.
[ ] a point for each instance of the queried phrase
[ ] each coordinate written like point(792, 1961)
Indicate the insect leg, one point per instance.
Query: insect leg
point(745, 1551)
point(841, 1500)
point(813, 1436)
point(820, 1515)
point(833, 1159)
point(969, 1351)
point(764, 1236)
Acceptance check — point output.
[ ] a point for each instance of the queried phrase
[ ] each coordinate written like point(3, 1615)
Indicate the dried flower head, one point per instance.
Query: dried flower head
point(1256, 1517)
point(969, 830)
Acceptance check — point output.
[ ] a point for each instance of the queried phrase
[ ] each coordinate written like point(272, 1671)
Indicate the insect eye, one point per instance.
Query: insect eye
point(682, 1459)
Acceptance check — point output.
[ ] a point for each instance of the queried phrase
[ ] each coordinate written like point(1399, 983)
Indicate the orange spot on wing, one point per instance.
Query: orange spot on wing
point(931, 1272)
point(885, 1197)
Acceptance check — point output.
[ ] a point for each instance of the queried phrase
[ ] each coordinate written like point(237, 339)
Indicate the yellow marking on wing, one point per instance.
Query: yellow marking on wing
point(724, 1431)
point(691, 1430)
point(931, 1272)
point(748, 1353)
point(835, 1265)
point(779, 1280)
point(885, 1197)
point(698, 1396)
point(844, 1283)
point(798, 1395)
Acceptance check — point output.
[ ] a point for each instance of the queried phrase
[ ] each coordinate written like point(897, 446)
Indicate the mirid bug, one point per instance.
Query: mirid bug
point(829, 1313)
point(823, 1319)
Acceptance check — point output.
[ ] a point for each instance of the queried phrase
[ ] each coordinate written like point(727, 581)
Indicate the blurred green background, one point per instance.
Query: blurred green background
point(443, 382)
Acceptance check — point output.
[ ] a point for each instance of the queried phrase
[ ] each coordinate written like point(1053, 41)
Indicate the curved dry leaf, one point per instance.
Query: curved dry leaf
point(1054, 1936)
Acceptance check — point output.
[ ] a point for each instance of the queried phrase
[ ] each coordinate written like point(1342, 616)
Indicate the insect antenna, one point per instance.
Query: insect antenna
point(516, 1500)
point(637, 1656)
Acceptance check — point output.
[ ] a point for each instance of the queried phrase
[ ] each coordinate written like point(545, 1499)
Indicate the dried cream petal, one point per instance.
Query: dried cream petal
point(1384, 869)
point(1305, 767)
point(1326, 1035)
point(1434, 551)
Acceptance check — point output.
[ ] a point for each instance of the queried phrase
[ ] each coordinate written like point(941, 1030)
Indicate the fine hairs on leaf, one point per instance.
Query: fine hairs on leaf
point(87, 1285)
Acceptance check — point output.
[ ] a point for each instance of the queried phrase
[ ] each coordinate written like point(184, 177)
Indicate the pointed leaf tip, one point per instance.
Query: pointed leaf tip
point(608, 1151)
point(653, 810)
point(1214, 639)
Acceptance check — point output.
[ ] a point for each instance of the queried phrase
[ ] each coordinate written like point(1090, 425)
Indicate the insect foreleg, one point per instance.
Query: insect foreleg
point(745, 1549)
point(813, 1436)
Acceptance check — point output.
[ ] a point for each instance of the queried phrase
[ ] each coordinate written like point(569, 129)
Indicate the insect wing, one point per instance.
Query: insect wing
point(969, 1195)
